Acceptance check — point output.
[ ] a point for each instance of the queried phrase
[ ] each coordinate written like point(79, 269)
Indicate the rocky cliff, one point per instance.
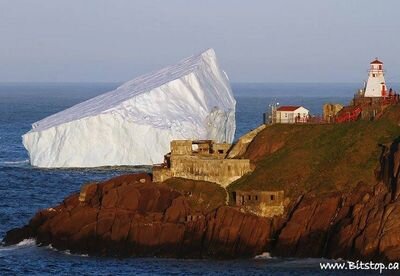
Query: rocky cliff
point(131, 216)
point(363, 225)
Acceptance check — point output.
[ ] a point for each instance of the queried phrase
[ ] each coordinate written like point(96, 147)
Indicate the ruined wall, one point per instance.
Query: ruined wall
point(220, 150)
point(201, 160)
point(330, 111)
point(161, 173)
point(220, 171)
point(261, 203)
point(200, 148)
point(181, 147)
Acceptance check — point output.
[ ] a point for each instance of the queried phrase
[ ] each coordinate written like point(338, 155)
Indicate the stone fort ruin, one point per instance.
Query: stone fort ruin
point(261, 203)
point(201, 160)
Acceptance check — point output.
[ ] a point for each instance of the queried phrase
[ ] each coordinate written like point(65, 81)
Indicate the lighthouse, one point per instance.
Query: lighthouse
point(376, 86)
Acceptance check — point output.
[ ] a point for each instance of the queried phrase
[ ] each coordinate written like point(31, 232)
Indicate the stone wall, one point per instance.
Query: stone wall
point(220, 171)
point(261, 203)
point(181, 147)
point(160, 173)
point(373, 108)
point(201, 160)
point(330, 111)
point(220, 150)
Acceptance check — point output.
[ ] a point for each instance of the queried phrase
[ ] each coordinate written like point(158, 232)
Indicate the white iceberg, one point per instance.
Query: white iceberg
point(134, 124)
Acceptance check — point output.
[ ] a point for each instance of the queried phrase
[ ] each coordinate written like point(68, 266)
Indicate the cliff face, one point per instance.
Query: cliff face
point(359, 225)
point(131, 216)
point(361, 222)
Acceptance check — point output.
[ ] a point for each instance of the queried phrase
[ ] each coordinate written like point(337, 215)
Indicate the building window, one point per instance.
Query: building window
point(272, 197)
point(256, 197)
point(220, 151)
point(249, 197)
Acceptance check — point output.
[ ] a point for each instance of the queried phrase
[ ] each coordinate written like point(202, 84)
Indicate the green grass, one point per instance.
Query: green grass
point(320, 158)
point(202, 196)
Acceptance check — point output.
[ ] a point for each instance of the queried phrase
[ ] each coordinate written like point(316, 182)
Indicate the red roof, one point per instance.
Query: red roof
point(288, 108)
point(376, 61)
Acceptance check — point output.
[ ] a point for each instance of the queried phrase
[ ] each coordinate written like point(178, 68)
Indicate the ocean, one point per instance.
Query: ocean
point(24, 189)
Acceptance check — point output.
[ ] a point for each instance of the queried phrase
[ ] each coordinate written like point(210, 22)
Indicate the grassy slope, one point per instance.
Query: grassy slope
point(204, 196)
point(319, 158)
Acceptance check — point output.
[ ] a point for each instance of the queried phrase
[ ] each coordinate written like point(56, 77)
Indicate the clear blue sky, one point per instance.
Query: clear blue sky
point(256, 41)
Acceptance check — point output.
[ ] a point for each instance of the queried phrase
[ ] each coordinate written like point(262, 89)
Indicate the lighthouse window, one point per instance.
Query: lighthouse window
point(374, 75)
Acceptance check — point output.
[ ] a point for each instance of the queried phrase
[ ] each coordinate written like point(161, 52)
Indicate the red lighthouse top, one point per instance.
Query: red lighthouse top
point(376, 61)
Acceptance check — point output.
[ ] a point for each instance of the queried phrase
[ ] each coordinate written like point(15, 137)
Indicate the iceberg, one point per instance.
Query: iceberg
point(134, 124)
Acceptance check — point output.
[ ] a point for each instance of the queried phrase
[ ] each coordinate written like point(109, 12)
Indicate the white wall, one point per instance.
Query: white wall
point(374, 85)
point(288, 117)
point(375, 80)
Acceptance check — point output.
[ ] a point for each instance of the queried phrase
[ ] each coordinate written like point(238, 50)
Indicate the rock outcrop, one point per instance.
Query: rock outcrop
point(240, 147)
point(125, 217)
point(362, 224)
point(131, 216)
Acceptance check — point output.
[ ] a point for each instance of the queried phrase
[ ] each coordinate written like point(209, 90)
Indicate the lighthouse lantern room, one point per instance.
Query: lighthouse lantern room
point(376, 86)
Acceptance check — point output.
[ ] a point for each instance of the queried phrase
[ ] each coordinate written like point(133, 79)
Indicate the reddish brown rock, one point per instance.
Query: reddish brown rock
point(179, 209)
point(131, 216)
point(231, 231)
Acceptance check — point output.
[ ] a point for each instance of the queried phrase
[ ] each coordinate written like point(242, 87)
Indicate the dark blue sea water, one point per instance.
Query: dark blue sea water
point(24, 190)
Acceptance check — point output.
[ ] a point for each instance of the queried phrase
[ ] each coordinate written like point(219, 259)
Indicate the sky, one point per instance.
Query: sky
point(255, 41)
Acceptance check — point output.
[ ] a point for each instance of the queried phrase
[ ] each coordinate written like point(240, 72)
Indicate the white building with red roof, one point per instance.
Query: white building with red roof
point(290, 114)
point(376, 85)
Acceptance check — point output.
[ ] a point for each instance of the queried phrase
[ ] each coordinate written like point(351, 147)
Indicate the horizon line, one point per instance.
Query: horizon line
point(234, 82)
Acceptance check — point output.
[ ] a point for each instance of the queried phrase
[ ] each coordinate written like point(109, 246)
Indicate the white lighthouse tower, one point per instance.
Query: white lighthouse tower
point(376, 86)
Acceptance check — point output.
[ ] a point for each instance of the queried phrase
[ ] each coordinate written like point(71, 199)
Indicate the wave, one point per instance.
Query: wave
point(31, 242)
point(263, 256)
point(22, 244)
point(26, 242)
point(66, 252)
point(16, 162)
